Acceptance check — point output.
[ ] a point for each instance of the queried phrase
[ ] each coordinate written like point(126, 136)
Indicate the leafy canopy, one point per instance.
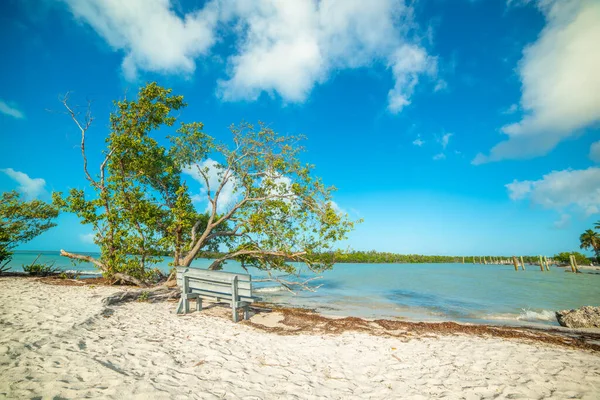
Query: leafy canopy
point(140, 206)
point(21, 221)
point(590, 240)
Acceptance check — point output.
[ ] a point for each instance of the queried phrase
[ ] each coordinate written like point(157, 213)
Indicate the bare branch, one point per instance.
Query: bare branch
point(83, 128)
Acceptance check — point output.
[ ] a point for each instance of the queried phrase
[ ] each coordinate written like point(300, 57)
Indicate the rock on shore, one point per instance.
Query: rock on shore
point(584, 317)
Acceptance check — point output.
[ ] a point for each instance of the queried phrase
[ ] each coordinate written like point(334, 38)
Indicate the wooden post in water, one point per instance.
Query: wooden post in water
point(572, 262)
point(484, 260)
point(541, 264)
point(546, 261)
point(473, 260)
point(522, 263)
point(575, 263)
point(515, 263)
point(463, 259)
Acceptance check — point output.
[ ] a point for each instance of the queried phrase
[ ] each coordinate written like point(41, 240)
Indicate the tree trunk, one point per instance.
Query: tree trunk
point(119, 276)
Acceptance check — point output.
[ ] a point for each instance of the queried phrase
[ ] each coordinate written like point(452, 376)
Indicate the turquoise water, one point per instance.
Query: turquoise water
point(426, 292)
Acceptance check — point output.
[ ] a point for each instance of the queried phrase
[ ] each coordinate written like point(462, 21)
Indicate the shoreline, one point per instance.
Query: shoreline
point(65, 341)
point(286, 320)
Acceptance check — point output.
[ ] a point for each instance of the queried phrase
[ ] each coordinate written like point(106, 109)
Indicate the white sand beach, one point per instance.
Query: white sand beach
point(62, 342)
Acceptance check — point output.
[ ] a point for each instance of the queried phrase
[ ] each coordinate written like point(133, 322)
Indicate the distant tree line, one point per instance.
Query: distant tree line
point(377, 257)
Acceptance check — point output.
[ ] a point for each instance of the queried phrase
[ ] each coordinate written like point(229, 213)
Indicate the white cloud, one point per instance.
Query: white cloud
point(152, 36)
point(440, 156)
point(560, 76)
point(30, 187)
point(279, 47)
point(563, 222)
point(511, 110)
point(10, 110)
point(445, 140)
point(87, 238)
point(595, 152)
point(560, 190)
point(418, 141)
point(441, 85)
point(215, 175)
point(408, 63)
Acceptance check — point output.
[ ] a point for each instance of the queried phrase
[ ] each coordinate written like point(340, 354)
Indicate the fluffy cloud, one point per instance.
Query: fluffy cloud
point(445, 140)
point(563, 222)
point(595, 152)
point(10, 110)
point(511, 110)
point(418, 142)
point(152, 36)
point(281, 47)
point(289, 47)
point(560, 76)
point(215, 176)
point(87, 238)
point(408, 63)
point(30, 187)
point(560, 190)
point(439, 156)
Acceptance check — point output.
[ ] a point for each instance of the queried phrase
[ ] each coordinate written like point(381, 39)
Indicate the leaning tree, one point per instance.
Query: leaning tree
point(265, 207)
point(21, 221)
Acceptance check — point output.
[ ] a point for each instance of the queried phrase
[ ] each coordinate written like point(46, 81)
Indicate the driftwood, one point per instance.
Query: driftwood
point(159, 293)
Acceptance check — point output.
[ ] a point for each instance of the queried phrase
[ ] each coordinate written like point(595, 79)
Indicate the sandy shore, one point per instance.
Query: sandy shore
point(62, 342)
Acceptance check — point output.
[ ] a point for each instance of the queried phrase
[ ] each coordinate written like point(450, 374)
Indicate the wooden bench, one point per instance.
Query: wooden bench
point(233, 288)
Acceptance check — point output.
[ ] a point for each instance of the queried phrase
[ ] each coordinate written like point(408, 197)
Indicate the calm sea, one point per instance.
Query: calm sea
point(426, 292)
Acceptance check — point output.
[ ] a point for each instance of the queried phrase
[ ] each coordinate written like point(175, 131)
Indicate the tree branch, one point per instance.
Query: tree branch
point(83, 258)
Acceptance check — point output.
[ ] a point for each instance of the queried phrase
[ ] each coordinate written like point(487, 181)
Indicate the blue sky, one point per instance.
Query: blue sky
point(450, 127)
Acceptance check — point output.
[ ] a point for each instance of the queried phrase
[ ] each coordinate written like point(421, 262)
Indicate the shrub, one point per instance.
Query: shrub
point(144, 296)
point(563, 258)
point(40, 269)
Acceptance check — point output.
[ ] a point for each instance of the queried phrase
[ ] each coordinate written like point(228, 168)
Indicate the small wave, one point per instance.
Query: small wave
point(76, 272)
point(530, 315)
point(525, 315)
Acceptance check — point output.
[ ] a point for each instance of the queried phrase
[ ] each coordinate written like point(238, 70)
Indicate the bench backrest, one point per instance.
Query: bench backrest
point(215, 283)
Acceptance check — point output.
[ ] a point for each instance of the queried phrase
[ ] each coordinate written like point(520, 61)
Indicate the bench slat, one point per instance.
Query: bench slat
point(190, 271)
point(218, 289)
point(194, 280)
point(207, 294)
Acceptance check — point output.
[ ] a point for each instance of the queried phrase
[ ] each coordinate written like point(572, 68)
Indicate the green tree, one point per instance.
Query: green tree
point(275, 211)
point(563, 258)
point(590, 240)
point(21, 221)
point(137, 203)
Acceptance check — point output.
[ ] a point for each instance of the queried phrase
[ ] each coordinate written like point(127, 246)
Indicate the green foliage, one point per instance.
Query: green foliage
point(144, 296)
point(40, 269)
point(129, 207)
point(590, 240)
point(69, 275)
point(140, 208)
point(376, 257)
point(563, 258)
point(21, 221)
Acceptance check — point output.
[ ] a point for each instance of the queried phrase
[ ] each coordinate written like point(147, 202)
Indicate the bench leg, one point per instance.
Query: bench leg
point(186, 305)
point(234, 311)
point(179, 307)
point(246, 312)
point(198, 303)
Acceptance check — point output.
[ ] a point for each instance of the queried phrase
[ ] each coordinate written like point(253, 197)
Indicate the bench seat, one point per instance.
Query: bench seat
point(232, 288)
